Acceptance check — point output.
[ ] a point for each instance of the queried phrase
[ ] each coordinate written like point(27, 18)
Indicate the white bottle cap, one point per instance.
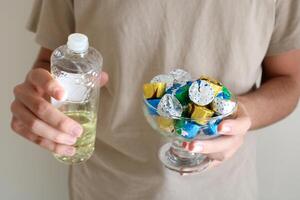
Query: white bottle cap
point(78, 42)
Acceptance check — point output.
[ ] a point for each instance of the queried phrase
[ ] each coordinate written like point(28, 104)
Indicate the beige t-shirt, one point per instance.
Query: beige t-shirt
point(141, 38)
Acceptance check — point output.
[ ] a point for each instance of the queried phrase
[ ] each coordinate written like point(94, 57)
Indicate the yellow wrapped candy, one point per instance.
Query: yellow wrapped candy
point(165, 124)
point(160, 89)
point(154, 90)
point(149, 90)
point(201, 114)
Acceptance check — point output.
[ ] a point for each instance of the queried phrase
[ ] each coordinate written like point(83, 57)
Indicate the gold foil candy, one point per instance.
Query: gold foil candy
point(149, 90)
point(201, 114)
point(154, 90)
point(216, 88)
point(211, 80)
point(165, 124)
point(160, 89)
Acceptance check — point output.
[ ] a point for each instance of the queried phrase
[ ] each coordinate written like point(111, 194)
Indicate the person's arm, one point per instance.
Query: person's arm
point(275, 99)
point(279, 93)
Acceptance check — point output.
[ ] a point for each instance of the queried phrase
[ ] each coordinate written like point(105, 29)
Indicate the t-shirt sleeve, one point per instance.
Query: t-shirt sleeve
point(286, 33)
point(52, 21)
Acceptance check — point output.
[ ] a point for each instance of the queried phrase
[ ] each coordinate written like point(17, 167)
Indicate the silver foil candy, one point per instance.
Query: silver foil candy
point(223, 106)
point(169, 106)
point(180, 76)
point(201, 93)
point(163, 78)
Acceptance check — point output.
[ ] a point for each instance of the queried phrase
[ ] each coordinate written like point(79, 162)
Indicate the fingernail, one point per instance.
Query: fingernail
point(68, 140)
point(60, 95)
point(225, 129)
point(184, 144)
point(196, 147)
point(76, 131)
point(70, 151)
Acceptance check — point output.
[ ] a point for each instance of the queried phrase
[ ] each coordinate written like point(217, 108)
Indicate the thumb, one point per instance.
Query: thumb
point(239, 125)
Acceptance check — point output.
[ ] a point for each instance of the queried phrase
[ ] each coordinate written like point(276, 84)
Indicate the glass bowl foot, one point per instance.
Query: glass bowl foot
point(182, 161)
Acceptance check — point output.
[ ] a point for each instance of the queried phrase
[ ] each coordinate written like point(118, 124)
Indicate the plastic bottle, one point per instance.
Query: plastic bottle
point(77, 67)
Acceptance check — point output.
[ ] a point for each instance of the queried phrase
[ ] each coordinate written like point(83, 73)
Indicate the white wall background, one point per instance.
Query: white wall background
point(29, 173)
point(26, 171)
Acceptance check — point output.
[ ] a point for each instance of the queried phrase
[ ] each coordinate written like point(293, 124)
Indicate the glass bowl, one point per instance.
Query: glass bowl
point(180, 129)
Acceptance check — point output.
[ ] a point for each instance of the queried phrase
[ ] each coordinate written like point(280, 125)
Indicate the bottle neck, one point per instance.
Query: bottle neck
point(81, 54)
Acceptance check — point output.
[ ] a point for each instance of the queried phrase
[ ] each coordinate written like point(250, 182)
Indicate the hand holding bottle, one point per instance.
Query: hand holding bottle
point(37, 120)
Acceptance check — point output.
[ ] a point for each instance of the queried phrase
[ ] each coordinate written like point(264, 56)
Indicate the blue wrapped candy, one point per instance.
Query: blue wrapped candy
point(212, 127)
point(224, 94)
point(189, 83)
point(173, 88)
point(187, 129)
point(152, 106)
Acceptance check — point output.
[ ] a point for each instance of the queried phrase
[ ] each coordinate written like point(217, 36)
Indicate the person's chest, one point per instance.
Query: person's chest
point(140, 38)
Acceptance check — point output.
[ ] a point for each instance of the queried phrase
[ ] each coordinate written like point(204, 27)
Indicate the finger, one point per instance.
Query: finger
point(45, 111)
point(222, 156)
point(103, 78)
point(60, 149)
point(219, 144)
point(38, 127)
point(238, 126)
point(42, 80)
point(214, 163)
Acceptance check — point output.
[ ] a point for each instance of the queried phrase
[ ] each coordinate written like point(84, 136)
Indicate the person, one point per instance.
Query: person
point(237, 42)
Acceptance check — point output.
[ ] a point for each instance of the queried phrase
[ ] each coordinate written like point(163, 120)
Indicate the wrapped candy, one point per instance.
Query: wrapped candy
point(173, 88)
point(182, 94)
point(212, 127)
point(163, 78)
point(169, 106)
point(154, 90)
point(223, 106)
point(211, 80)
point(224, 94)
point(152, 106)
point(216, 85)
point(188, 107)
point(187, 129)
point(201, 93)
point(201, 114)
point(149, 90)
point(165, 124)
point(180, 76)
